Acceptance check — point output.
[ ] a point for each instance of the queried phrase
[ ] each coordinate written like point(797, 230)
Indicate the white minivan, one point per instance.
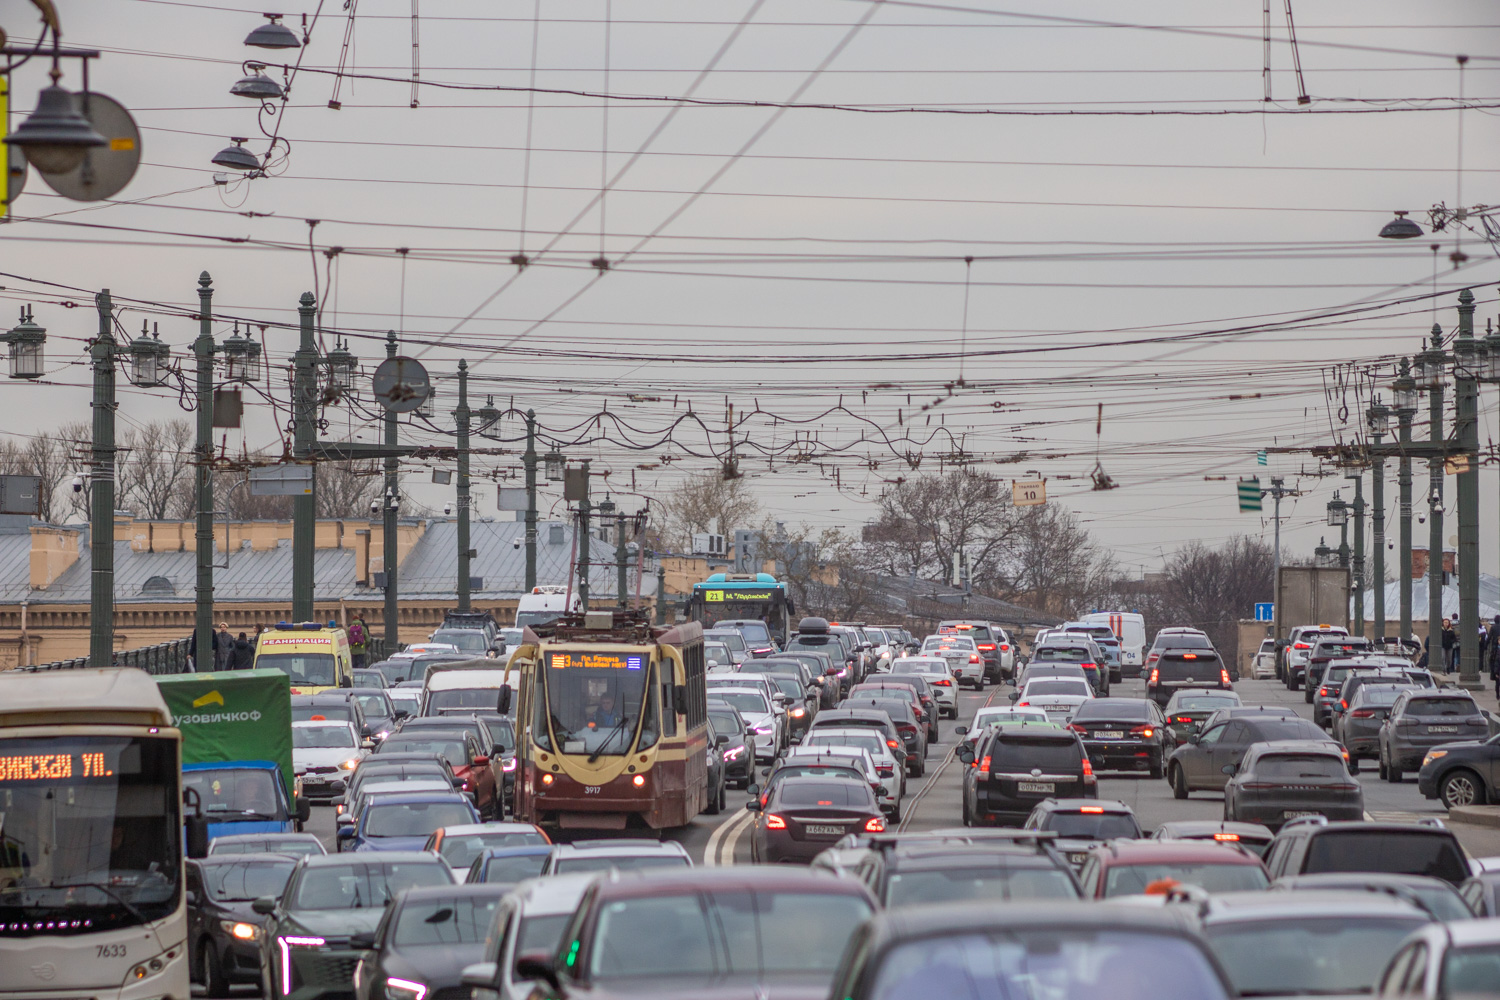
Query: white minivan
point(1131, 629)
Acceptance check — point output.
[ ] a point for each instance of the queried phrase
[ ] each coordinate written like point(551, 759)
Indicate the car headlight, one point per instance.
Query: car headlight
point(240, 931)
point(508, 764)
point(734, 753)
point(404, 989)
point(798, 713)
point(1433, 755)
point(349, 764)
point(765, 730)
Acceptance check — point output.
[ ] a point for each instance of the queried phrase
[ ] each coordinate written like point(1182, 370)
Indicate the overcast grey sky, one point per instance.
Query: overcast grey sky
point(823, 266)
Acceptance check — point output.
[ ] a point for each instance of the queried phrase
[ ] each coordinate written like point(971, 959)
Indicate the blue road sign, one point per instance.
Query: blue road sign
point(1265, 611)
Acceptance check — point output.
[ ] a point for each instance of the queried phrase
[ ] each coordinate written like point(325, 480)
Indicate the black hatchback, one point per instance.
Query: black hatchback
point(1015, 768)
point(1124, 734)
point(424, 941)
point(223, 931)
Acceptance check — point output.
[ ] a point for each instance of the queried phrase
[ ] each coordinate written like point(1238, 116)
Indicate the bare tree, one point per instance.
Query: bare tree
point(924, 521)
point(1212, 589)
point(157, 477)
point(822, 570)
point(1051, 562)
point(345, 489)
point(51, 458)
point(704, 500)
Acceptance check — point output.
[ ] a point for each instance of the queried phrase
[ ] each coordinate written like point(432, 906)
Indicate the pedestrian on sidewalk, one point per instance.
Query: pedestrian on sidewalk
point(359, 641)
point(1450, 641)
point(244, 653)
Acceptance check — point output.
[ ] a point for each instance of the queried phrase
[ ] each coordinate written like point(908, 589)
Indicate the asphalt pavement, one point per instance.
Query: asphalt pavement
point(934, 800)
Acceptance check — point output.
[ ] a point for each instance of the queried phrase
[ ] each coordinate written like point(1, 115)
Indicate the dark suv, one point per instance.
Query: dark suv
point(1186, 668)
point(1461, 774)
point(1325, 650)
point(985, 638)
point(1420, 720)
point(1015, 768)
point(1313, 846)
point(1198, 765)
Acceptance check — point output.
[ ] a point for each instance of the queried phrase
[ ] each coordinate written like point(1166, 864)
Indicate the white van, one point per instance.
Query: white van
point(545, 603)
point(1131, 630)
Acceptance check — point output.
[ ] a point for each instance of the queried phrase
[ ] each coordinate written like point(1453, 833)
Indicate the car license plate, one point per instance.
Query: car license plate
point(1057, 708)
point(824, 830)
point(1290, 814)
point(1077, 858)
point(1043, 787)
point(1442, 729)
point(1109, 734)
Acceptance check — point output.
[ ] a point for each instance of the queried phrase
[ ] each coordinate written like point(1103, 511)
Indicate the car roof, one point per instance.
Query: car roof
point(939, 856)
point(1145, 852)
point(947, 919)
point(419, 798)
point(1189, 827)
point(497, 826)
point(1112, 806)
point(1201, 692)
point(623, 847)
point(835, 714)
point(1239, 906)
point(765, 878)
point(372, 857)
point(253, 857)
point(552, 895)
point(1375, 826)
point(321, 723)
point(322, 698)
point(1271, 748)
point(515, 851)
point(232, 838)
point(418, 894)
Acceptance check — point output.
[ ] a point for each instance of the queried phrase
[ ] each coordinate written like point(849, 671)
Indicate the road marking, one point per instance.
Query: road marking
point(731, 842)
point(711, 851)
point(910, 808)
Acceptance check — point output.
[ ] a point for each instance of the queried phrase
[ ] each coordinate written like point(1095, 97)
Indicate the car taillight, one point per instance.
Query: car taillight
point(943, 682)
point(1343, 704)
point(1183, 718)
point(984, 765)
point(775, 822)
point(1362, 713)
point(1155, 675)
point(1259, 786)
point(1224, 675)
point(893, 743)
point(1022, 704)
point(1302, 645)
point(1226, 836)
point(886, 770)
point(1087, 665)
point(1142, 731)
point(1005, 647)
point(1322, 692)
point(1077, 728)
point(875, 825)
point(973, 657)
point(1088, 772)
point(986, 646)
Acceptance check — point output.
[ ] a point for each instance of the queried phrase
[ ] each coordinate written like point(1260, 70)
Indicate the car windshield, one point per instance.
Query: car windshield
point(243, 880)
point(997, 716)
point(971, 884)
point(593, 702)
point(1301, 765)
point(625, 863)
point(514, 868)
point(747, 702)
point(1397, 852)
point(873, 741)
point(1470, 972)
point(1312, 955)
point(451, 750)
point(755, 633)
point(1060, 686)
point(1092, 826)
point(1133, 711)
point(1380, 697)
point(1062, 654)
point(336, 712)
point(460, 849)
point(395, 670)
point(249, 792)
point(726, 723)
point(1431, 708)
point(458, 920)
point(1183, 640)
point(540, 934)
point(1013, 751)
point(825, 793)
point(360, 885)
point(323, 737)
point(730, 638)
point(949, 642)
point(265, 845)
point(1205, 703)
point(795, 770)
point(376, 706)
point(467, 640)
point(481, 697)
point(1053, 963)
point(655, 938)
point(789, 686)
point(304, 669)
point(1132, 880)
point(415, 819)
point(716, 654)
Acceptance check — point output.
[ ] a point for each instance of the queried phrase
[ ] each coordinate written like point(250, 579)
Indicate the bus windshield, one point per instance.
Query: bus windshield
point(90, 833)
point(307, 669)
point(591, 702)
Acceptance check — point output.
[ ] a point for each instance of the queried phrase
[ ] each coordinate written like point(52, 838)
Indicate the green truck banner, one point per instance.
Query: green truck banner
point(232, 715)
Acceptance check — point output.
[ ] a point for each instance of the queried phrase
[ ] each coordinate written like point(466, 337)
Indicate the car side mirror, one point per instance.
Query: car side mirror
point(753, 805)
point(1015, 696)
point(721, 739)
point(196, 834)
point(191, 897)
point(401, 713)
point(364, 940)
point(304, 810)
point(265, 905)
point(965, 753)
point(536, 965)
point(1228, 769)
point(345, 830)
point(346, 682)
point(481, 975)
point(1193, 737)
point(481, 760)
point(752, 789)
point(960, 730)
point(502, 704)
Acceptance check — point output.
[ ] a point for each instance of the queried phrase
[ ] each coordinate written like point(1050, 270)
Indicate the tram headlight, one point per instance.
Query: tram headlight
point(639, 781)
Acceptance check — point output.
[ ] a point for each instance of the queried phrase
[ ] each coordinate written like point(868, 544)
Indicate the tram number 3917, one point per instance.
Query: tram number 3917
point(591, 789)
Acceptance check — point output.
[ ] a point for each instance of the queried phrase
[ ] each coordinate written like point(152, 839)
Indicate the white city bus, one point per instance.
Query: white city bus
point(91, 838)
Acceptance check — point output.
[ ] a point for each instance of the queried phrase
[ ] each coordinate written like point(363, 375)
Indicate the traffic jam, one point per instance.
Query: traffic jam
point(597, 805)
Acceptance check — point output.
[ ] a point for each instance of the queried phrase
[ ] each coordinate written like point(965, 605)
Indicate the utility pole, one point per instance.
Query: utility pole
point(1466, 435)
point(1405, 396)
point(620, 585)
point(583, 541)
point(1435, 501)
point(388, 514)
point(1378, 418)
point(529, 461)
point(464, 552)
point(661, 592)
point(203, 354)
point(1277, 491)
point(305, 434)
point(102, 493)
point(1359, 553)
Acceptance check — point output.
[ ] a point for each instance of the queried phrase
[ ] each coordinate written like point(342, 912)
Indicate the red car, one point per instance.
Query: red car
point(1136, 867)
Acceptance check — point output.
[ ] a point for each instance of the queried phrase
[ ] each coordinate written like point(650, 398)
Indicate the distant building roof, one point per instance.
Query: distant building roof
point(929, 599)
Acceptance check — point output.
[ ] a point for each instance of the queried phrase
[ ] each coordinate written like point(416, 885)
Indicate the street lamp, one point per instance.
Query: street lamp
point(55, 136)
point(148, 359)
point(606, 506)
point(241, 358)
point(1404, 394)
point(487, 416)
point(273, 35)
point(428, 408)
point(1338, 512)
point(342, 368)
point(1400, 228)
point(553, 463)
point(256, 85)
point(1378, 419)
point(1430, 367)
point(26, 340)
point(236, 157)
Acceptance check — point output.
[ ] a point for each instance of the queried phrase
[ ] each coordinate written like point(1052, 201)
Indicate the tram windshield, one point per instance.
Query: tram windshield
point(594, 702)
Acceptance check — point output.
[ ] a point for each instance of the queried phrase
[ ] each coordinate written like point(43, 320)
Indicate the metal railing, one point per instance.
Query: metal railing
point(163, 658)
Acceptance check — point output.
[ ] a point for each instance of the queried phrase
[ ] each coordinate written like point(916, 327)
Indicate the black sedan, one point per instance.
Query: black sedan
point(1461, 774)
point(1123, 734)
point(223, 931)
point(805, 815)
point(424, 941)
point(305, 948)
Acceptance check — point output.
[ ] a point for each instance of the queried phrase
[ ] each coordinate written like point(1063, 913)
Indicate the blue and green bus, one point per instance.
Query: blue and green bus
point(742, 596)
